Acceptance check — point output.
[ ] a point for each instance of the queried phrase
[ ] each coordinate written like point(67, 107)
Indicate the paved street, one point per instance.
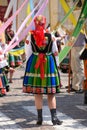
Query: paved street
point(17, 110)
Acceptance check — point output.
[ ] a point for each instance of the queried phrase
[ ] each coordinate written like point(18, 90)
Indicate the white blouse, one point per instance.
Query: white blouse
point(28, 49)
point(3, 61)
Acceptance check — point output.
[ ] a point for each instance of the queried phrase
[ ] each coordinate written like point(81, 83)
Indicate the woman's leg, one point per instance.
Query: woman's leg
point(38, 101)
point(11, 74)
point(39, 104)
point(52, 107)
point(51, 101)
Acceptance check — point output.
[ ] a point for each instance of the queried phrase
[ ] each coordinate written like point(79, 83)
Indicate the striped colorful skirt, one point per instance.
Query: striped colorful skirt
point(33, 83)
point(14, 61)
point(4, 86)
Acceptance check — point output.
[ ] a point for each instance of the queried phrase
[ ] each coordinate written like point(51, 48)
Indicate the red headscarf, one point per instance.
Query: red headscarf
point(38, 33)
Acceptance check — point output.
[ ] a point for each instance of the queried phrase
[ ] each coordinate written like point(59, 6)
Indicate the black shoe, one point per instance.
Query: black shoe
point(39, 122)
point(57, 122)
point(80, 91)
point(68, 86)
point(72, 90)
point(7, 88)
point(22, 77)
point(40, 118)
point(54, 117)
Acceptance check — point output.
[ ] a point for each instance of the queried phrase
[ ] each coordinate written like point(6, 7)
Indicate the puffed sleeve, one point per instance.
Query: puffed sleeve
point(55, 52)
point(28, 48)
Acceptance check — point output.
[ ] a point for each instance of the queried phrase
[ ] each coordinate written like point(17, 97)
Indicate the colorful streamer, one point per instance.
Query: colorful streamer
point(21, 27)
point(9, 8)
point(17, 52)
point(67, 8)
point(14, 23)
point(66, 16)
point(28, 12)
point(25, 32)
point(31, 6)
point(71, 16)
point(7, 23)
point(70, 43)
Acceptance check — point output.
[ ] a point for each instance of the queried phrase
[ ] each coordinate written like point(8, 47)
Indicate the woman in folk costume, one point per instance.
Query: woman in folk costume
point(14, 61)
point(41, 74)
point(3, 66)
point(3, 63)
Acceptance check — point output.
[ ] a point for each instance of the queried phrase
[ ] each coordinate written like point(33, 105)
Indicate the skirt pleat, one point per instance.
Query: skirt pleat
point(44, 81)
point(14, 61)
point(33, 83)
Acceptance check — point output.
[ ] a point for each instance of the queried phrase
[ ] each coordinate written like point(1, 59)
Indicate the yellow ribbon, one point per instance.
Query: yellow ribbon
point(71, 16)
point(28, 12)
point(17, 52)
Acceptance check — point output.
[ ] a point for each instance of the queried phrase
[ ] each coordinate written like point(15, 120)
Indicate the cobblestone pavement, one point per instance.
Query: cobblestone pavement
point(17, 110)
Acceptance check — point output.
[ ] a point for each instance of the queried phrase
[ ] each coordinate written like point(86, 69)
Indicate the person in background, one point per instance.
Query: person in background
point(77, 66)
point(4, 86)
point(14, 61)
point(41, 74)
point(58, 39)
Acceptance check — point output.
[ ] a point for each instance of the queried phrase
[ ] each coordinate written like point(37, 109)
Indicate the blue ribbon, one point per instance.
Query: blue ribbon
point(32, 7)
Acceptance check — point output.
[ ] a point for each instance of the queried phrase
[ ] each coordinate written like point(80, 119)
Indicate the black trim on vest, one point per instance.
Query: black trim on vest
point(48, 47)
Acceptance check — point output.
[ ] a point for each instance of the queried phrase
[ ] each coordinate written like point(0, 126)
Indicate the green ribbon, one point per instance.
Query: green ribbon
point(69, 12)
point(80, 22)
point(66, 16)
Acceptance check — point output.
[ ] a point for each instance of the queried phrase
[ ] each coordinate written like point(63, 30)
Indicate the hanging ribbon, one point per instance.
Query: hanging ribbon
point(7, 23)
point(70, 43)
point(14, 24)
point(9, 8)
point(67, 8)
point(69, 14)
point(31, 6)
point(21, 27)
point(65, 18)
point(25, 32)
point(28, 12)
point(18, 51)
